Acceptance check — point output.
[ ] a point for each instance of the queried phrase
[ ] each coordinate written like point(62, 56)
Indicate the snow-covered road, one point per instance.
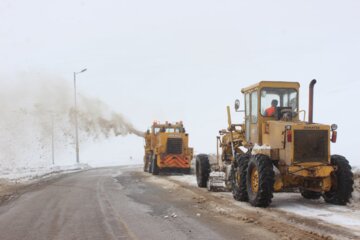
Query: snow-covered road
point(289, 216)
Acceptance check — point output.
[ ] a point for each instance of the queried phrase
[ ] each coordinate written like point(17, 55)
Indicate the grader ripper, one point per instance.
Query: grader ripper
point(166, 149)
point(281, 151)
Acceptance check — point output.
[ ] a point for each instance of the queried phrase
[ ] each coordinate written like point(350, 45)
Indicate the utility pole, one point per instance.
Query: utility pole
point(76, 119)
point(52, 139)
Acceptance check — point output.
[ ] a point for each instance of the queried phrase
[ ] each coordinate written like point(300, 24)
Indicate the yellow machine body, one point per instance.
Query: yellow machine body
point(300, 149)
point(167, 145)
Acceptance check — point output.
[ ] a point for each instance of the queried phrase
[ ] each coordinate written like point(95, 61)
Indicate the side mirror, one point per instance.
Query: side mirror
point(237, 105)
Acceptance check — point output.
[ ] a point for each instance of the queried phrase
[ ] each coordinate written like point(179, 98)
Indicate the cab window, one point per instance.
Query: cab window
point(247, 105)
point(170, 130)
point(278, 97)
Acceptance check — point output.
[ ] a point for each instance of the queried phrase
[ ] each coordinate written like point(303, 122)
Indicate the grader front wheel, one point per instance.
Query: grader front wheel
point(260, 180)
point(202, 169)
point(255, 180)
point(239, 190)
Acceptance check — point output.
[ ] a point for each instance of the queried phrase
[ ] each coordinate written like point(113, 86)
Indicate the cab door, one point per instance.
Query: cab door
point(251, 117)
point(254, 117)
point(247, 117)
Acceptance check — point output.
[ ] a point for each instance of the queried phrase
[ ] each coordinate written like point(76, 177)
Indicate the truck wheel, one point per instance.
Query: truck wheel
point(202, 170)
point(341, 180)
point(146, 163)
point(238, 180)
point(260, 180)
point(150, 165)
point(154, 166)
point(310, 194)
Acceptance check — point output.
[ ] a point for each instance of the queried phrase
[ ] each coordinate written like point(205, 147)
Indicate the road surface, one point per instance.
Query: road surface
point(125, 203)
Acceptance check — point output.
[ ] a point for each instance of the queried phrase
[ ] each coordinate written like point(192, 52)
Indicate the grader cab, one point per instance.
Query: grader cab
point(285, 151)
point(167, 149)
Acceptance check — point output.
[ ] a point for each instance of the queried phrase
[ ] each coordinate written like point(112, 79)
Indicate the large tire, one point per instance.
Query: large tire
point(146, 163)
point(310, 194)
point(260, 180)
point(202, 169)
point(150, 164)
point(342, 182)
point(154, 166)
point(238, 181)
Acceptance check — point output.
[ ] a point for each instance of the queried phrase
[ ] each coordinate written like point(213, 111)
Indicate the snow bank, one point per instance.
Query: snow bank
point(356, 194)
point(346, 216)
point(26, 174)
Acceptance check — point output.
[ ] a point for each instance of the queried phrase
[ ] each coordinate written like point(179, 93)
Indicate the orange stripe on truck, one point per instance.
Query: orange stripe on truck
point(174, 161)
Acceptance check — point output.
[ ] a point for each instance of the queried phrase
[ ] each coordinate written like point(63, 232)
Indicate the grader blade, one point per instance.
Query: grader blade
point(216, 182)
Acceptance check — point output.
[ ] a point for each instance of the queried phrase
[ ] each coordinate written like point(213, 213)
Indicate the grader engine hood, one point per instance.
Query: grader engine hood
point(298, 142)
point(311, 144)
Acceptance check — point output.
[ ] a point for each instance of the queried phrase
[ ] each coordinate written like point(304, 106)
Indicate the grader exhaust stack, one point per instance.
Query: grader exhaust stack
point(311, 100)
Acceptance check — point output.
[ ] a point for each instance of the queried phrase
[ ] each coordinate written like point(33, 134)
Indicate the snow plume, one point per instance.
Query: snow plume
point(36, 107)
point(97, 120)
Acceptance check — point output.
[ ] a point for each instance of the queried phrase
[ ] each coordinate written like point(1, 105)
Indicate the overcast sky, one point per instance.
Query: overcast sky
point(186, 60)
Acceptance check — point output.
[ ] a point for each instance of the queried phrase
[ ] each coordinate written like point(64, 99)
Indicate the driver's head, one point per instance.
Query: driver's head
point(274, 103)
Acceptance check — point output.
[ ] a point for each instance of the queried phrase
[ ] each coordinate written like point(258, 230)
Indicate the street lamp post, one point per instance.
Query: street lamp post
point(52, 139)
point(76, 118)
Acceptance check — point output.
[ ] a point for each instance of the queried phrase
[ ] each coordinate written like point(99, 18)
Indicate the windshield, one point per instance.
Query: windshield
point(278, 97)
point(168, 130)
point(172, 130)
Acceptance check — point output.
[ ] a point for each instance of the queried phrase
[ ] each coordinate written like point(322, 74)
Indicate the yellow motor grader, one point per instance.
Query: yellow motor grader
point(283, 151)
point(167, 149)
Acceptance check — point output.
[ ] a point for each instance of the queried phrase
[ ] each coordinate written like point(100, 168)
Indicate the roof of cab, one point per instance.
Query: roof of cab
point(168, 125)
point(273, 84)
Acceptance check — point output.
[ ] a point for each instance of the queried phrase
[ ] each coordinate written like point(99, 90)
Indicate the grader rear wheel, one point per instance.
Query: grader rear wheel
point(260, 180)
point(342, 182)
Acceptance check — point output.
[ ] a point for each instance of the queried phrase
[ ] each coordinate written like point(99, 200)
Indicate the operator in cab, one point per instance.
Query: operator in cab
point(269, 112)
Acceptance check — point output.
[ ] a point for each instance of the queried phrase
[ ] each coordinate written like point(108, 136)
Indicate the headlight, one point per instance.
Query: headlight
point(334, 127)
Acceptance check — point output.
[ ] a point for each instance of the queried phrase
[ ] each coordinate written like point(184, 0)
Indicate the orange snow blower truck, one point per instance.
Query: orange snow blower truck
point(167, 149)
